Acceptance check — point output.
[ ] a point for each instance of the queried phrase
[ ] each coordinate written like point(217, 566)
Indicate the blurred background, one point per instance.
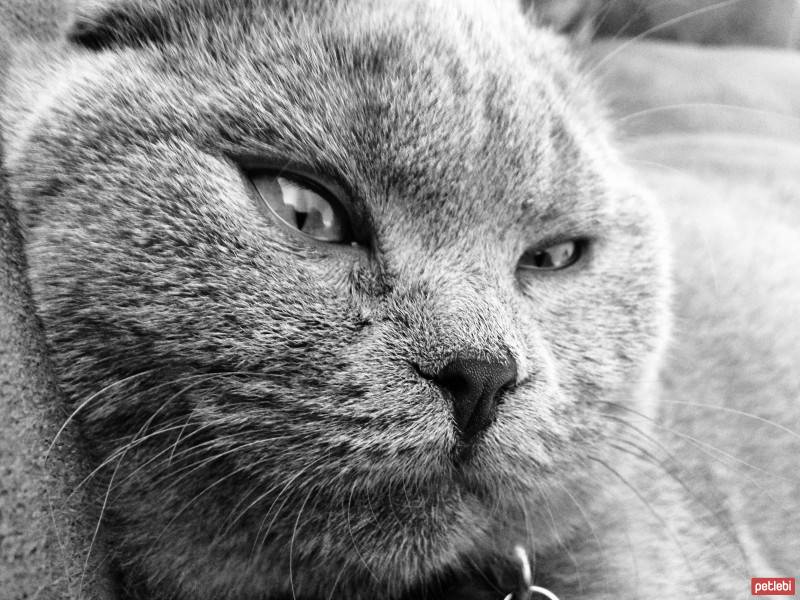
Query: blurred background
point(707, 66)
point(742, 22)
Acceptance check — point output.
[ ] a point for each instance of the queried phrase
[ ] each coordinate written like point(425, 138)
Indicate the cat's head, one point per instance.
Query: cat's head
point(345, 291)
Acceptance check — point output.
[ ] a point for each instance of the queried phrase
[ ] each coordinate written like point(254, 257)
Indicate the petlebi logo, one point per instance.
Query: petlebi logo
point(772, 586)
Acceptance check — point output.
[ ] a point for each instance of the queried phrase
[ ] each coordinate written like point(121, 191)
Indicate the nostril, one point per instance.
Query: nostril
point(474, 386)
point(455, 383)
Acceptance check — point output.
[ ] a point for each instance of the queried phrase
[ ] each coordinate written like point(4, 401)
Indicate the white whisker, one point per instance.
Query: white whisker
point(664, 25)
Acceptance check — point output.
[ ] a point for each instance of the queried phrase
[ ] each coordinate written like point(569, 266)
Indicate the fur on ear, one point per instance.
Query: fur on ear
point(573, 17)
point(101, 24)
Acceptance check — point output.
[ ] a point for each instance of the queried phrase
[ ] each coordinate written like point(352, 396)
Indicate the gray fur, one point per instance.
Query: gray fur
point(251, 395)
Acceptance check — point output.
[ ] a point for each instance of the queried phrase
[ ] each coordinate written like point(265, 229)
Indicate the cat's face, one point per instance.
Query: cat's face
point(263, 399)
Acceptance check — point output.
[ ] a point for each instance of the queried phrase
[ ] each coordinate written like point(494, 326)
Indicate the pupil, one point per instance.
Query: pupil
point(543, 260)
point(300, 218)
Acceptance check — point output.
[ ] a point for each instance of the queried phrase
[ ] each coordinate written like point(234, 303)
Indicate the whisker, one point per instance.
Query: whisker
point(168, 462)
point(530, 539)
point(260, 497)
point(118, 454)
point(295, 477)
point(660, 26)
point(559, 539)
point(711, 449)
point(110, 486)
point(134, 440)
point(699, 444)
point(191, 501)
point(592, 530)
point(236, 516)
point(653, 163)
point(717, 517)
point(259, 542)
point(637, 12)
point(179, 438)
point(125, 380)
point(704, 105)
point(336, 582)
point(652, 458)
point(97, 528)
point(608, 7)
point(652, 511)
point(480, 573)
point(352, 537)
point(710, 516)
point(392, 510)
point(196, 466)
point(738, 412)
point(291, 543)
point(86, 402)
point(374, 515)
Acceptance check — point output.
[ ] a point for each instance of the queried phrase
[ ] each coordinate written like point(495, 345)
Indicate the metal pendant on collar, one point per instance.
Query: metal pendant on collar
point(527, 590)
point(531, 594)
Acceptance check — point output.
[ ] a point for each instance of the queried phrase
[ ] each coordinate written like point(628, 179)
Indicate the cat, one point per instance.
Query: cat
point(351, 299)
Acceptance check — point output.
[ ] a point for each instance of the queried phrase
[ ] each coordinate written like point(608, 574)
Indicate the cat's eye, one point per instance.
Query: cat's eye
point(551, 258)
point(305, 208)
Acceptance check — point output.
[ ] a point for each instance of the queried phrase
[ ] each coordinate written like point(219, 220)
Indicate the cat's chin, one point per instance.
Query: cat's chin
point(487, 573)
point(487, 578)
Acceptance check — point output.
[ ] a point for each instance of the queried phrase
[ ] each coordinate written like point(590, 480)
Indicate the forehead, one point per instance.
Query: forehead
point(446, 106)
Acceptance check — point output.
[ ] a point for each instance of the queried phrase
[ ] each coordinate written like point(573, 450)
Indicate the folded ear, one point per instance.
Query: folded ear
point(101, 24)
point(575, 18)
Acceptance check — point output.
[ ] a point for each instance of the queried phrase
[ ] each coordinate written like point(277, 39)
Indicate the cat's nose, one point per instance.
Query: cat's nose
point(475, 386)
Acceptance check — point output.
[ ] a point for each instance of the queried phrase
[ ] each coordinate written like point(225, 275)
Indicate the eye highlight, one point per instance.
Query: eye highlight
point(552, 258)
point(304, 208)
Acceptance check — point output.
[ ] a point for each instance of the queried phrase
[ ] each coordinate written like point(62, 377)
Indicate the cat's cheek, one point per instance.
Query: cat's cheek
point(597, 351)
